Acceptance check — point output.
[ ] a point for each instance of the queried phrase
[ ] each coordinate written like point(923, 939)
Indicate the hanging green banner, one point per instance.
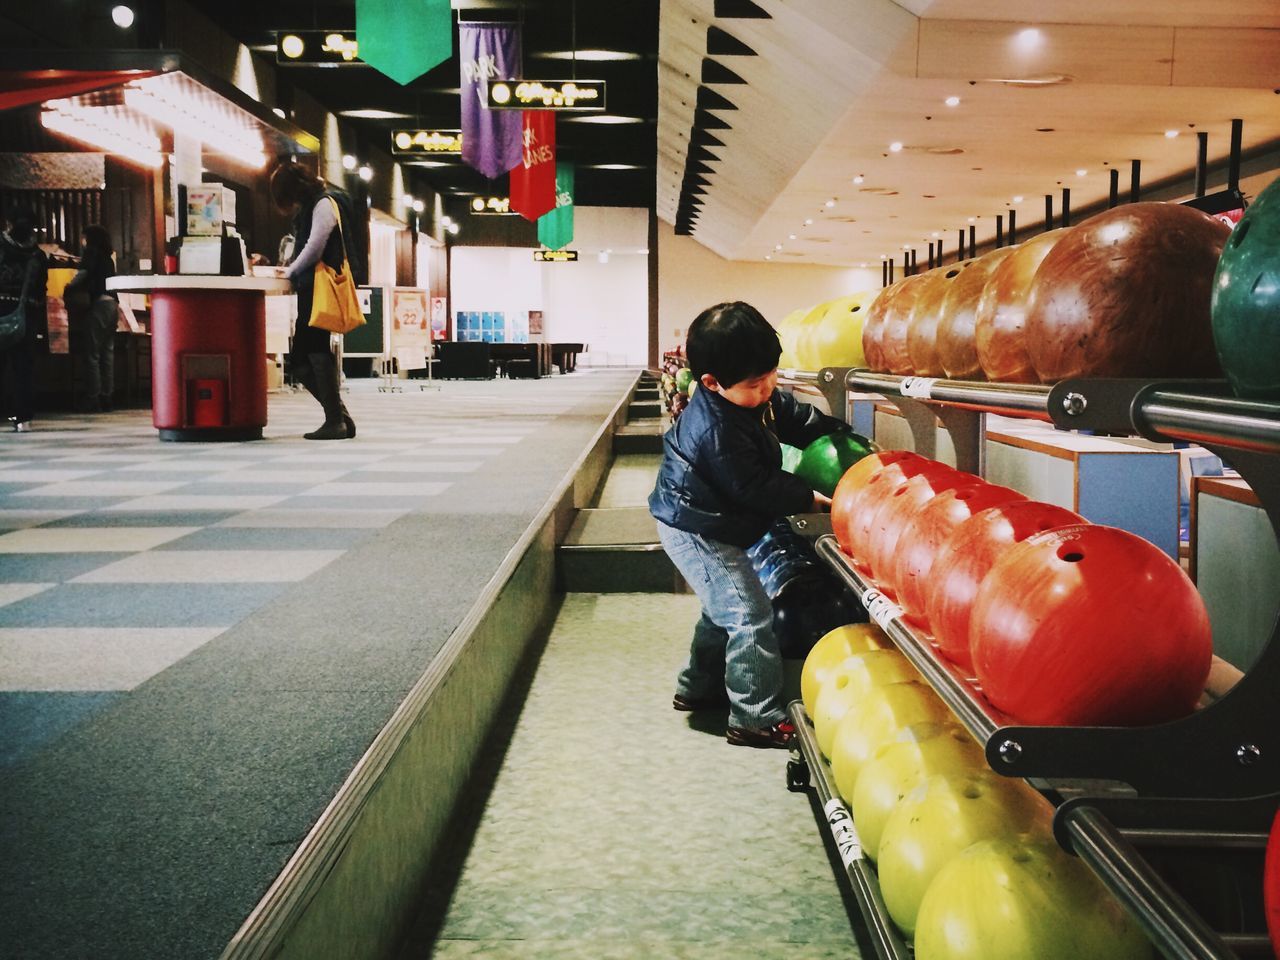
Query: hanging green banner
point(555, 229)
point(404, 39)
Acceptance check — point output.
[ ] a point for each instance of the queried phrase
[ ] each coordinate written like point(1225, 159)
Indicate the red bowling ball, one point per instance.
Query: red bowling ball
point(920, 544)
point(1090, 625)
point(967, 556)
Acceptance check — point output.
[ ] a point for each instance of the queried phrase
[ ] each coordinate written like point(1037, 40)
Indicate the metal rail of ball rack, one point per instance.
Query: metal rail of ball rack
point(1214, 775)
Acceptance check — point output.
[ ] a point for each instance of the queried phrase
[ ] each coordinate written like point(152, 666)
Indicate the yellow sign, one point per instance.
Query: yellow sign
point(324, 48)
point(482, 206)
point(555, 256)
point(546, 95)
point(426, 141)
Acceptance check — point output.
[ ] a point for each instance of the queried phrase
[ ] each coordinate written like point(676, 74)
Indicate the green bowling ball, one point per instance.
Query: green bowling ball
point(824, 461)
point(684, 376)
point(791, 457)
point(1246, 300)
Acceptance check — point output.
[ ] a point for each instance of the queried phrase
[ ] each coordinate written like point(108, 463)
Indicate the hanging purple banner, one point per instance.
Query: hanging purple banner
point(491, 139)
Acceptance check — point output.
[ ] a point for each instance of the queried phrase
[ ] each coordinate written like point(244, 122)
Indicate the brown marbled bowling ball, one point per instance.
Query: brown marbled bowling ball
point(957, 347)
point(1127, 294)
point(922, 328)
point(873, 328)
point(897, 358)
point(1002, 312)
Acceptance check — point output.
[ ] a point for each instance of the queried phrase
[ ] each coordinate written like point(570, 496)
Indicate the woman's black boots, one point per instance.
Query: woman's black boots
point(323, 382)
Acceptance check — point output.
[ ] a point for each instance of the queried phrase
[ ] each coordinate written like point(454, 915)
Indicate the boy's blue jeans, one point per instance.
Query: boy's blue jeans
point(733, 643)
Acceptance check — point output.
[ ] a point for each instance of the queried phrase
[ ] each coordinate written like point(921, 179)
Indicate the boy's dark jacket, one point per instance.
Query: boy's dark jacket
point(721, 475)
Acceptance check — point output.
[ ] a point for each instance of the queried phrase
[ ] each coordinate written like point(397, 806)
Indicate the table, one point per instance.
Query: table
point(208, 353)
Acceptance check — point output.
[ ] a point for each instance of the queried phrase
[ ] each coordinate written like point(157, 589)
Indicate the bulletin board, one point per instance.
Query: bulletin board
point(369, 340)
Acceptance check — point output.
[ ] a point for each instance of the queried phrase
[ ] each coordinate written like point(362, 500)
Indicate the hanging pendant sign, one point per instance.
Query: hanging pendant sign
point(555, 228)
point(555, 256)
point(426, 142)
point(488, 53)
point(558, 95)
point(533, 180)
point(318, 48)
point(404, 40)
point(491, 207)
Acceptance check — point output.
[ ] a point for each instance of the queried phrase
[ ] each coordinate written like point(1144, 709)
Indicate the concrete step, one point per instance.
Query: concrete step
point(615, 551)
point(644, 410)
point(639, 436)
point(645, 393)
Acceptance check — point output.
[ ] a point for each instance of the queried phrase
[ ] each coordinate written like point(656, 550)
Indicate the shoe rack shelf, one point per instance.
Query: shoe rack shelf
point(1125, 796)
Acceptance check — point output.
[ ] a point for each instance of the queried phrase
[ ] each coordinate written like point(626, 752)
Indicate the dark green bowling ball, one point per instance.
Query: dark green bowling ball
point(825, 460)
point(1246, 300)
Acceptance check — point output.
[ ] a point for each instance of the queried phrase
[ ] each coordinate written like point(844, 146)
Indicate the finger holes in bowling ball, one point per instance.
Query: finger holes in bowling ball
point(900, 491)
point(971, 792)
point(842, 681)
point(964, 495)
point(952, 273)
point(1238, 235)
point(1070, 554)
point(856, 309)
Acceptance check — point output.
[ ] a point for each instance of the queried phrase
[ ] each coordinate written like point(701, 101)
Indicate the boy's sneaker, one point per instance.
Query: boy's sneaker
point(779, 735)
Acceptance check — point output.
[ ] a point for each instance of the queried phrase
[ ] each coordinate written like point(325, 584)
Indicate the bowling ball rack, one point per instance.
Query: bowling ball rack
point(1150, 809)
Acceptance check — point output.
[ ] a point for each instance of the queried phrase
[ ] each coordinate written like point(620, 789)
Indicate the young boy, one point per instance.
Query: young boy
point(720, 486)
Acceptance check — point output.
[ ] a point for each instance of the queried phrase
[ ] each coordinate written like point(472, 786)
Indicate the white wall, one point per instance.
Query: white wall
point(604, 305)
point(692, 278)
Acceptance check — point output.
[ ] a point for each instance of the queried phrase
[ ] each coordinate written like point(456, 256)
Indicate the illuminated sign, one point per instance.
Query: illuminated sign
point(491, 206)
point(426, 141)
point(318, 48)
point(546, 95)
point(555, 256)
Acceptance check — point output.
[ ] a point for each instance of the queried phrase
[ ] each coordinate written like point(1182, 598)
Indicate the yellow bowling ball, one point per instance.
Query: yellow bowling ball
point(875, 721)
point(831, 650)
point(848, 683)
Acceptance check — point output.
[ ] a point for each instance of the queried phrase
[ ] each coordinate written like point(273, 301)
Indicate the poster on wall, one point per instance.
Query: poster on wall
point(439, 318)
point(535, 323)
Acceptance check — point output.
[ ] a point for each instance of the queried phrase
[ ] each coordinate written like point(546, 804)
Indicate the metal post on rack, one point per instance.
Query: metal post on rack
point(811, 771)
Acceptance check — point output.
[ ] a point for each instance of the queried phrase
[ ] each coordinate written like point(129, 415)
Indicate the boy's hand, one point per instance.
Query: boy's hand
point(820, 502)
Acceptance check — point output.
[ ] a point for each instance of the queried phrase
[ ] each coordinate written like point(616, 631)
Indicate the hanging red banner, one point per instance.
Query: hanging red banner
point(533, 180)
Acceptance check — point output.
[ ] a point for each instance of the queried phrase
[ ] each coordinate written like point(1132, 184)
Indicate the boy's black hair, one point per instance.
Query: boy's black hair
point(732, 342)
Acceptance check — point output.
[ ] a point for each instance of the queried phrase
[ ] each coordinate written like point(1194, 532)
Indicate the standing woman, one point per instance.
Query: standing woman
point(315, 229)
point(100, 318)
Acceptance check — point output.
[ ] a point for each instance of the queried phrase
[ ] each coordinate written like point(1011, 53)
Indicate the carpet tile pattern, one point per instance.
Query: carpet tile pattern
point(199, 640)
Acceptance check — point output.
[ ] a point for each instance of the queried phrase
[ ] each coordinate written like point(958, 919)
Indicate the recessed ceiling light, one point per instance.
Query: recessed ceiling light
point(808, 221)
point(374, 114)
point(1018, 198)
point(895, 146)
point(934, 234)
point(1028, 39)
point(884, 256)
point(906, 246)
point(830, 204)
point(777, 246)
point(952, 101)
point(597, 56)
point(603, 118)
point(859, 178)
point(768, 256)
point(348, 162)
point(791, 236)
point(366, 173)
point(1171, 134)
point(1081, 172)
point(122, 16)
point(973, 219)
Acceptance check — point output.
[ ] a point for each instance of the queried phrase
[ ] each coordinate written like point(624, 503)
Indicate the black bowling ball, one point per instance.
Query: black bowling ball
point(809, 607)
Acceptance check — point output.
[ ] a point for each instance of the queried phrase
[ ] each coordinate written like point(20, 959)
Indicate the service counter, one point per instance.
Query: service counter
point(208, 353)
